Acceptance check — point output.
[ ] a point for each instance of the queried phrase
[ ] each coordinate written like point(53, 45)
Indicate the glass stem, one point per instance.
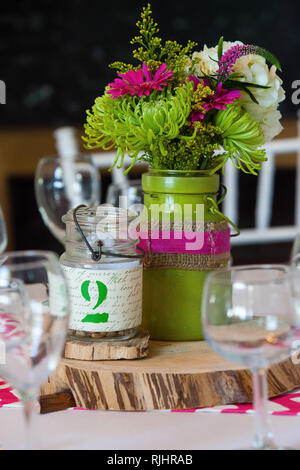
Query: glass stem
point(263, 436)
point(29, 406)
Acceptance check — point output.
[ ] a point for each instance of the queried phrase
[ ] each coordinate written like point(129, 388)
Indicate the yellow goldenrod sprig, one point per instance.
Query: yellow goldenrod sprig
point(199, 96)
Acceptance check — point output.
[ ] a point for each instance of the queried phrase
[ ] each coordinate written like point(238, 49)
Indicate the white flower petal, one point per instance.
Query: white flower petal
point(260, 74)
point(254, 70)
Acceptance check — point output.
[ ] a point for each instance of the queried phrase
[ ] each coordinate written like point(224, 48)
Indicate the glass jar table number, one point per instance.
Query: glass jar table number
point(104, 274)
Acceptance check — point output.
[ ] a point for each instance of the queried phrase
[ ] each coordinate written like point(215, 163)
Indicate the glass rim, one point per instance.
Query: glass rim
point(93, 215)
point(214, 276)
point(181, 172)
point(55, 156)
point(47, 255)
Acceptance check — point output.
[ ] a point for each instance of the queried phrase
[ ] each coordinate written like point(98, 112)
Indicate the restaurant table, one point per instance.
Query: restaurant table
point(227, 427)
point(111, 430)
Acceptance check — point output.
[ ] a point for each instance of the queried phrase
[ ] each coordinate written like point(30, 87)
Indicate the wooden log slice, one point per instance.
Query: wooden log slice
point(173, 376)
point(134, 348)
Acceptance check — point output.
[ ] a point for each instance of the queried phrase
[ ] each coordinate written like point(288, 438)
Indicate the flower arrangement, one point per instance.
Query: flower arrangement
point(183, 110)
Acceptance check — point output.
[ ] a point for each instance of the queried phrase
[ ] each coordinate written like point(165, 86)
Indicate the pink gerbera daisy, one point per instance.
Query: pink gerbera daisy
point(218, 100)
point(140, 82)
point(221, 98)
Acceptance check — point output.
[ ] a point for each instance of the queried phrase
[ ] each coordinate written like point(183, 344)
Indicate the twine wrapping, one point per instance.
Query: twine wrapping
point(171, 252)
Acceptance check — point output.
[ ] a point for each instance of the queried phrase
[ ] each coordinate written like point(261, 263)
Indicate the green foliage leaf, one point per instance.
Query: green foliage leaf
point(246, 90)
point(214, 60)
point(235, 84)
point(269, 57)
point(220, 48)
point(235, 75)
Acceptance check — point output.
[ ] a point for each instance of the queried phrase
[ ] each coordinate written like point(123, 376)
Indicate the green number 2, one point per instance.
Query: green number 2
point(102, 294)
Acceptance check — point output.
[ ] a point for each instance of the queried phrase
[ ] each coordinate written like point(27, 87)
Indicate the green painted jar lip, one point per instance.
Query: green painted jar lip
point(180, 182)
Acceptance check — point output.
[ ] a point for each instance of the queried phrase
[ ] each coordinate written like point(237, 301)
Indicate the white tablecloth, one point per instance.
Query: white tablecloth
point(110, 430)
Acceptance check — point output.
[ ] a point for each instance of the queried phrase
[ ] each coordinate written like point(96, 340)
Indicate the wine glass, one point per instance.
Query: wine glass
point(3, 235)
point(33, 323)
point(13, 326)
point(295, 280)
point(62, 184)
point(249, 318)
point(295, 254)
point(125, 194)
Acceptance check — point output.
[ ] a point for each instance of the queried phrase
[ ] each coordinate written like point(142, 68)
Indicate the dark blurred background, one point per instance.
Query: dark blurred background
point(55, 54)
point(55, 58)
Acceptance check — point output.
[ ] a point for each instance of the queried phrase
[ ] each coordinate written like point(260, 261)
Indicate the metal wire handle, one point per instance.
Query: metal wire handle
point(96, 256)
point(215, 210)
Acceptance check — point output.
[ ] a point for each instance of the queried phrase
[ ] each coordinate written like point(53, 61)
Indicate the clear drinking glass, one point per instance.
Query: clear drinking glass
point(62, 184)
point(3, 234)
point(295, 254)
point(33, 323)
point(130, 190)
point(295, 280)
point(249, 318)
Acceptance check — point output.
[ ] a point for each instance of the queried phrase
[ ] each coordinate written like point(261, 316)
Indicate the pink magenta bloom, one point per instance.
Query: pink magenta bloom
point(140, 82)
point(218, 100)
point(196, 116)
point(221, 98)
point(195, 80)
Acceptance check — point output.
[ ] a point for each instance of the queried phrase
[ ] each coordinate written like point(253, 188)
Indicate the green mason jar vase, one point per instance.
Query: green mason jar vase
point(173, 278)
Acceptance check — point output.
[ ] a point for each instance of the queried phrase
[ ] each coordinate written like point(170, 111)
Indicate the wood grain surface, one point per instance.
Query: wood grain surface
point(174, 375)
point(134, 348)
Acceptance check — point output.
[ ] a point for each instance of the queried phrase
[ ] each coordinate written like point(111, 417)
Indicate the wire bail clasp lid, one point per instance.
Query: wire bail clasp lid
point(96, 256)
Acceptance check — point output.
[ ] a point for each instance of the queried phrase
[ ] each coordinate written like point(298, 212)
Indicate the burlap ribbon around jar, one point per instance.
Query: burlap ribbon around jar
point(168, 246)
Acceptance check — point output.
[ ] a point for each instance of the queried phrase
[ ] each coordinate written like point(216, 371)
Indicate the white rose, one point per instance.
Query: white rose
point(254, 70)
point(208, 56)
point(268, 118)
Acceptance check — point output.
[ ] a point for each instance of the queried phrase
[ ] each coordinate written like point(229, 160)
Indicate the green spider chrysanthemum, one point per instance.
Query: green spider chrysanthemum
point(242, 139)
point(133, 125)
